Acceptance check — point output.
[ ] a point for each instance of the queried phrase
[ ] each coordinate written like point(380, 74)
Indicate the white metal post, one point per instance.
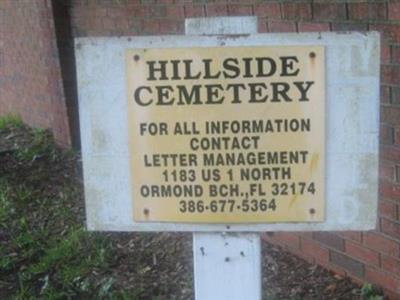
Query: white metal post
point(227, 266)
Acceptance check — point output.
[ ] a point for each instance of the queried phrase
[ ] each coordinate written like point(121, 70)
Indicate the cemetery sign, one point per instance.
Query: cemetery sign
point(227, 134)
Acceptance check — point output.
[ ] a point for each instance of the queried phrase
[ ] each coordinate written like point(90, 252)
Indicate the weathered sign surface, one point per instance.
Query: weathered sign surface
point(182, 133)
point(227, 134)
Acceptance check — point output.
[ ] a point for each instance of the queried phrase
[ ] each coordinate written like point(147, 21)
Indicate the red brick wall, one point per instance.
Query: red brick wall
point(29, 69)
point(365, 256)
point(369, 256)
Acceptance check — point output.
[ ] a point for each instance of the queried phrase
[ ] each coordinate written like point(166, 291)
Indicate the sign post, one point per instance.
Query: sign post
point(226, 265)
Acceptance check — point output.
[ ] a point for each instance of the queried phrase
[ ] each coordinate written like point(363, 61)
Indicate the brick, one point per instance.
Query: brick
point(315, 249)
point(297, 11)
point(240, 10)
point(385, 94)
point(387, 209)
point(95, 23)
point(387, 74)
point(108, 23)
point(386, 170)
point(290, 239)
point(396, 54)
point(395, 74)
point(135, 26)
point(281, 26)
point(390, 114)
point(385, 54)
point(262, 25)
point(123, 25)
point(380, 243)
point(115, 12)
point(194, 11)
point(329, 11)
point(309, 257)
point(377, 11)
point(389, 190)
point(305, 234)
point(97, 12)
point(395, 95)
point(386, 134)
point(353, 266)
point(382, 279)
point(390, 228)
point(213, 10)
point(390, 264)
point(160, 11)
point(351, 235)
point(270, 237)
point(397, 137)
point(397, 173)
point(313, 27)
point(150, 26)
point(366, 11)
point(365, 255)
point(329, 239)
point(349, 27)
point(174, 11)
point(394, 11)
point(137, 11)
point(334, 268)
point(156, 11)
point(390, 32)
point(390, 295)
point(171, 26)
point(358, 11)
point(270, 10)
point(391, 153)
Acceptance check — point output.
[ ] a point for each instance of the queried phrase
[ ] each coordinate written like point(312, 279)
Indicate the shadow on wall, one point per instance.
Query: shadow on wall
point(65, 45)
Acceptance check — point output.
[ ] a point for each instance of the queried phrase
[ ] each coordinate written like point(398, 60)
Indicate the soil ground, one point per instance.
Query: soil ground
point(45, 253)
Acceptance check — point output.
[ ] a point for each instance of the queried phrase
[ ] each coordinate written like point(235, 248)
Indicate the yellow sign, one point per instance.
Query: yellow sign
point(227, 134)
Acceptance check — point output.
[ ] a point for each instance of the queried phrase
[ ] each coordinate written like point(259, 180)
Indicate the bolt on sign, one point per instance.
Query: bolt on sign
point(227, 134)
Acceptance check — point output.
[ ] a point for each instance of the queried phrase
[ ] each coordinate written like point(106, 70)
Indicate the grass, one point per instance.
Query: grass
point(49, 265)
point(41, 145)
point(10, 121)
point(45, 252)
point(369, 292)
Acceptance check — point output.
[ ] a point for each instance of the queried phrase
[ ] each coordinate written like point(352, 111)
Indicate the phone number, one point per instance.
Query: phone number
point(220, 206)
